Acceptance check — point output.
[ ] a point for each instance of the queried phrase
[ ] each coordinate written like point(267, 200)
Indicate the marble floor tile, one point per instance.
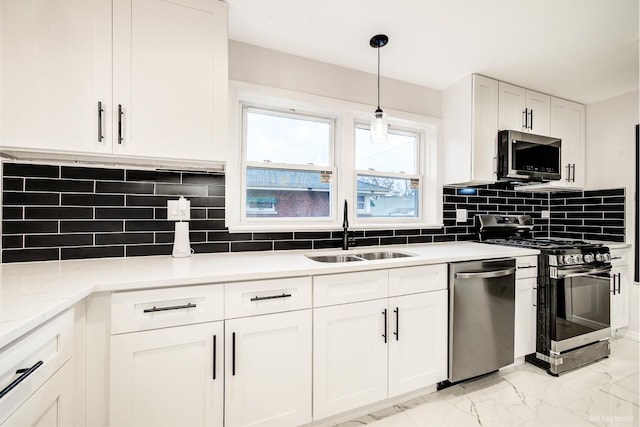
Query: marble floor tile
point(605, 393)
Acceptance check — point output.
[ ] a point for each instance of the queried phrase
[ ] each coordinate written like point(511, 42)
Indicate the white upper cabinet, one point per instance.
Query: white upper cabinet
point(523, 110)
point(470, 110)
point(170, 73)
point(568, 124)
point(55, 61)
point(163, 95)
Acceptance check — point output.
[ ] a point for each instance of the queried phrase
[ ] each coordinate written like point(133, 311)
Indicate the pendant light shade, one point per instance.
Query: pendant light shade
point(379, 123)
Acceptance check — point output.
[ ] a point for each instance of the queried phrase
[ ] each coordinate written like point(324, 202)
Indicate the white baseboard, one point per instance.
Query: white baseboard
point(627, 333)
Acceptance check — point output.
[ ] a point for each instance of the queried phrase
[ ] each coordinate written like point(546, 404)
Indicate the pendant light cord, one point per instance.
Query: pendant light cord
point(378, 77)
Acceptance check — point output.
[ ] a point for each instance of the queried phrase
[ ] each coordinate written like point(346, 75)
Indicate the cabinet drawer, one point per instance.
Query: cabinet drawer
point(40, 354)
point(619, 257)
point(526, 266)
point(424, 278)
point(350, 287)
point(161, 308)
point(266, 296)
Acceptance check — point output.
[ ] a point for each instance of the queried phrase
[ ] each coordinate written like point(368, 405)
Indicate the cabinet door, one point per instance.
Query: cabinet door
point(349, 357)
point(170, 78)
point(525, 317)
point(417, 341)
point(538, 106)
point(268, 370)
point(50, 405)
point(55, 58)
point(170, 376)
point(568, 123)
point(485, 129)
point(511, 106)
point(619, 297)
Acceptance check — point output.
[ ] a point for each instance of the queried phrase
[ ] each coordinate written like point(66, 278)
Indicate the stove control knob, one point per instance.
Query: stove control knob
point(588, 258)
point(599, 257)
point(578, 258)
point(568, 259)
point(606, 257)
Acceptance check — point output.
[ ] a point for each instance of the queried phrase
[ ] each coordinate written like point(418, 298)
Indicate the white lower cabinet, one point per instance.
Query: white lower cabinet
point(268, 370)
point(369, 351)
point(418, 341)
point(620, 280)
point(349, 357)
point(51, 405)
point(525, 309)
point(169, 376)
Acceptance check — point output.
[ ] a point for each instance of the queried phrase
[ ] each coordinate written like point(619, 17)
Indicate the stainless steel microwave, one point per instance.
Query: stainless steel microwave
point(529, 157)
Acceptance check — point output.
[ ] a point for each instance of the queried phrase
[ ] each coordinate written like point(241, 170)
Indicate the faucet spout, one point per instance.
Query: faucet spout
point(345, 228)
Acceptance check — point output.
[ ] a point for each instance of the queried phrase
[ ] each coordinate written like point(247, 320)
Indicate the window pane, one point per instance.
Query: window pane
point(398, 154)
point(382, 197)
point(286, 193)
point(287, 139)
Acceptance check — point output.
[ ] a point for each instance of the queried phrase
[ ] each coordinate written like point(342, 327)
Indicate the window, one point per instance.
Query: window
point(288, 165)
point(387, 175)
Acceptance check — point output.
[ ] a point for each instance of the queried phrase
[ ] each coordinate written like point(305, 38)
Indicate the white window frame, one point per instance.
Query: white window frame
point(294, 222)
point(419, 167)
point(346, 115)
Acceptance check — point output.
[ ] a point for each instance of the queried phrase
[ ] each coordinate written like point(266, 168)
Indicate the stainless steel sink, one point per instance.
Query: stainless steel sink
point(382, 255)
point(334, 258)
point(368, 256)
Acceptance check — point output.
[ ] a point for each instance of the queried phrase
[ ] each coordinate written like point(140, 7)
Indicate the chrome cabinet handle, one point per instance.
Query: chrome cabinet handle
point(173, 307)
point(257, 298)
point(120, 114)
point(100, 111)
point(25, 373)
point(485, 274)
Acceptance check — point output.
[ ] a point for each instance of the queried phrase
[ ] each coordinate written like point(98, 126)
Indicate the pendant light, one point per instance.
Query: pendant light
point(379, 119)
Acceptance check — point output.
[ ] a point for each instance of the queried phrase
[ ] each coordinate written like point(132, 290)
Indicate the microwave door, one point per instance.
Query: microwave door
point(534, 160)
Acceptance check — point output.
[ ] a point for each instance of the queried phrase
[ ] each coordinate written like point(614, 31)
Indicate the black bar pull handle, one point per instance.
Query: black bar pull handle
point(619, 283)
point(25, 373)
point(397, 332)
point(173, 307)
point(384, 312)
point(100, 111)
point(613, 283)
point(526, 118)
point(214, 357)
point(573, 175)
point(283, 295)
point(233, 353)
point(531, 121)
point(120, 114)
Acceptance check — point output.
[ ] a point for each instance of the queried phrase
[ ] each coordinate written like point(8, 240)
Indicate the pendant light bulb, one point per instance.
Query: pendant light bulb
point(379, 127)
point(379, 123)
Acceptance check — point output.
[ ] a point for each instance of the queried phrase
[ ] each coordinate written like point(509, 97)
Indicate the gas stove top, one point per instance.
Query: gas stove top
point(542, 243)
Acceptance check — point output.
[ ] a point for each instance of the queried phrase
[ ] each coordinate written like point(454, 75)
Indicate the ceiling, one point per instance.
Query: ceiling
point(582, 50)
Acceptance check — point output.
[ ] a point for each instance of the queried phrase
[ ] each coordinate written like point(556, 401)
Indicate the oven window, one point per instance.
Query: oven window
point(582, 306)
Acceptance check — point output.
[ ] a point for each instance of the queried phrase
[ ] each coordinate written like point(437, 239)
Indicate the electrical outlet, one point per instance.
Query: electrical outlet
point(545, 214)
point(461, 215)
point(178, 210)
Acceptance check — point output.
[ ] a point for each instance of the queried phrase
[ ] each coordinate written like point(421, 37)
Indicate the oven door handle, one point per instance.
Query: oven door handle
point(485, 274)
point(595, 273)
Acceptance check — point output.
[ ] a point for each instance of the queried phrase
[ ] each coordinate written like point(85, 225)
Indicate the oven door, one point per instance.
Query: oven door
point(580, 311)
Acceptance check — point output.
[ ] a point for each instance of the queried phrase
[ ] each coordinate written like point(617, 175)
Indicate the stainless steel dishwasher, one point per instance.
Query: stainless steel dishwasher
point(481, 317)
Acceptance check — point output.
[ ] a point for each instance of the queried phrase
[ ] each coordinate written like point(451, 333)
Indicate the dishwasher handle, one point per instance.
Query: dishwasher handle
point(485, 274)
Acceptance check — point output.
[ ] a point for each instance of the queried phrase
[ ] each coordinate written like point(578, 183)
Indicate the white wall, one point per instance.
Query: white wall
point(267, 67)
point(610, 159)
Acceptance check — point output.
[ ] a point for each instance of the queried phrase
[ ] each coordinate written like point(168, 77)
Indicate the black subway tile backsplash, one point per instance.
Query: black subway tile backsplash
point(67, 212)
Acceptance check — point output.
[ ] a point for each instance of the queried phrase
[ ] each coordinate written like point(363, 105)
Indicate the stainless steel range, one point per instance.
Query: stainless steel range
point(573, 318)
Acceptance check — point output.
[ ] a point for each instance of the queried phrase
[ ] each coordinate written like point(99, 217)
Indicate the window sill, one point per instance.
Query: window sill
point(262, 228)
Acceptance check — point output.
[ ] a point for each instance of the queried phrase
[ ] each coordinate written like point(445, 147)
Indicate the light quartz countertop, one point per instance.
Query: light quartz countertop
point(32, 293)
